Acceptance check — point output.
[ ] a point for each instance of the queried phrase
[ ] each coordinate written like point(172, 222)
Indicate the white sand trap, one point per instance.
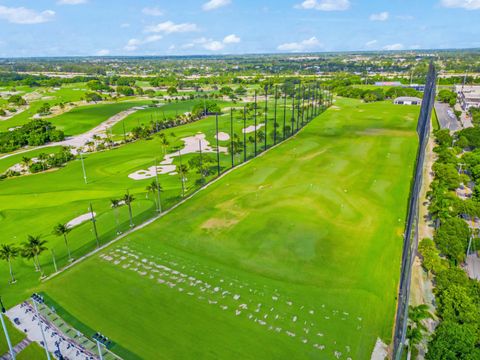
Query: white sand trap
point(223, 136)
point(80, 219)
point(193, 144)
point(251, 128)
point(380, 351)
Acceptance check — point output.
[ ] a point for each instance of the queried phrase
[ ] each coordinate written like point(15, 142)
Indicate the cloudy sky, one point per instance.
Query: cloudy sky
point(181, 27)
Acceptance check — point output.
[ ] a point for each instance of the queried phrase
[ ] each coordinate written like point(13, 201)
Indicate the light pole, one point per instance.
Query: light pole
point(159, 205)
point(93, 220)
point(12, 353)
point(38, 298)
point(54, 262)
point(83, 168)
point(100, 340)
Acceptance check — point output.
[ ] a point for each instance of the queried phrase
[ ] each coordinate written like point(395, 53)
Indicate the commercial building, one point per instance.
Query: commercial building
point(468, 96)
point(407, 100)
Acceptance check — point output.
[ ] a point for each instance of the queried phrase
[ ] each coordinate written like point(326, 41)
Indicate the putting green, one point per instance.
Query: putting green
point(295, 255)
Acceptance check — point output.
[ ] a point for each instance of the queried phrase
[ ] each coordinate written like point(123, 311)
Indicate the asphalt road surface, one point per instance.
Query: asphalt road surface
point(446, 117)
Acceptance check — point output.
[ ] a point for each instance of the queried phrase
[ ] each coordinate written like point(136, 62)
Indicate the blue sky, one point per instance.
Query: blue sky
point(182, 27)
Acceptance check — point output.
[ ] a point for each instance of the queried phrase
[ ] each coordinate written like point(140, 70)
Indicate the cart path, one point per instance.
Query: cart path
point(81, 139)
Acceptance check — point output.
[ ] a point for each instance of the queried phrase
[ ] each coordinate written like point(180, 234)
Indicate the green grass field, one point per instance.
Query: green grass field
point(295, 255)
point(30, 204)
point(84, 118)
point(68, 93)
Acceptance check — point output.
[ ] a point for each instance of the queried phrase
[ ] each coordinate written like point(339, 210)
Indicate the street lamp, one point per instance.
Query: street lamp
point(101, 340)
point(36, 298)
point(5, 330)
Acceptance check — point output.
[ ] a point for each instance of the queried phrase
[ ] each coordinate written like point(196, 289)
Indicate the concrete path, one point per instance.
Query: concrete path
point(81, 139)
point(16, 349)
point(446, 117)
point(472, 266)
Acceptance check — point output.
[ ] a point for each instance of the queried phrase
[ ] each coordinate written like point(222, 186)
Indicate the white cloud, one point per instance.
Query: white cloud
point(103, 52)
point(231, 39)
point(383, 16)
point(133, 44)
point(393, 47)
point(213, 45)
point(215, 4)
point(125, 25)
point(21, 15)
point(464, 4)
point(303, 45)
point(169, 27)
point(152, 11)
point(371, 43)
point(324, 5)
point(71, 2)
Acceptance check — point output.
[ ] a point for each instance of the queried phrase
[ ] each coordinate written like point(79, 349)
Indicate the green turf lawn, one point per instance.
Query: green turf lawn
point(15, 336)
point(168, 110)
point(67, 93)
point(84, 118)
point(6, 162)
point(312, 231)
point(32, 352)
point(30, 204)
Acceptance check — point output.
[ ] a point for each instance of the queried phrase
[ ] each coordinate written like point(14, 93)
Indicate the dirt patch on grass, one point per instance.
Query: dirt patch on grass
point(233, 214)
point(216, 223)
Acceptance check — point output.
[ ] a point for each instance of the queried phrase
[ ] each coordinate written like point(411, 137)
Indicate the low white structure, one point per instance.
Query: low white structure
point(468, 96)
point(407, 100)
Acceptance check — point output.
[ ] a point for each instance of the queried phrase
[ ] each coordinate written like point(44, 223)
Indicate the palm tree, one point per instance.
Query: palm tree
point(62, 229)
point(127, 199)
point(164, 142)
point(115, 205)
point(9, 253)
point(26, 161)
point(153, 188)
point(416, 328)
point(43, 157)
point(32, 248)
point(182, 170)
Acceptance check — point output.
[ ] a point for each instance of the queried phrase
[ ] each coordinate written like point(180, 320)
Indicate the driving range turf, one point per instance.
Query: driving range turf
point(294, 255)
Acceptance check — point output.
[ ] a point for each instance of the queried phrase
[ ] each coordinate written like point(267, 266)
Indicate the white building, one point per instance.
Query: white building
point(468, 96)
point(407, 100)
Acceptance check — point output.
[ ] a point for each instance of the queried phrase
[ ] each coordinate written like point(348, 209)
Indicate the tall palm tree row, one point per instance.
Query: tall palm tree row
point(63, 230)
point(9, 253)
point(32, 248)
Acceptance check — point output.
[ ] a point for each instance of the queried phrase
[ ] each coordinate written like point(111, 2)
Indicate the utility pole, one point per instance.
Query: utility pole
point(231, 136)
point(266, 115)
point(54, 262)
point(275, 117)
point(159, 203)
point(7, 336)
point(293, 110)
point(37, 298)
point(255, 120)
point(244, 134)
point(83, 167)
point(284, 110)
point(93, 220)
point(218, 150)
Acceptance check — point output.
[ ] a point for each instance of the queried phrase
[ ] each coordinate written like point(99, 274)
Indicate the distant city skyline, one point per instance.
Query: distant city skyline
point(209, 27)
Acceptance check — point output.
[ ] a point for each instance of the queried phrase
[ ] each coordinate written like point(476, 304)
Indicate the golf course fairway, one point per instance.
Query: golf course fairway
point(294, 255)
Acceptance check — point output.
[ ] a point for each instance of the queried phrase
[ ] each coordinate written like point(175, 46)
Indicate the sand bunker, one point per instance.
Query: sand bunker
point(251, 128)
point(222, 136)
point(80, 219)
point(193, 144)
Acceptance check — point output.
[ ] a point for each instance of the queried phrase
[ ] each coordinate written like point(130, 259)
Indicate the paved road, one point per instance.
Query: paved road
point(446, 117)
